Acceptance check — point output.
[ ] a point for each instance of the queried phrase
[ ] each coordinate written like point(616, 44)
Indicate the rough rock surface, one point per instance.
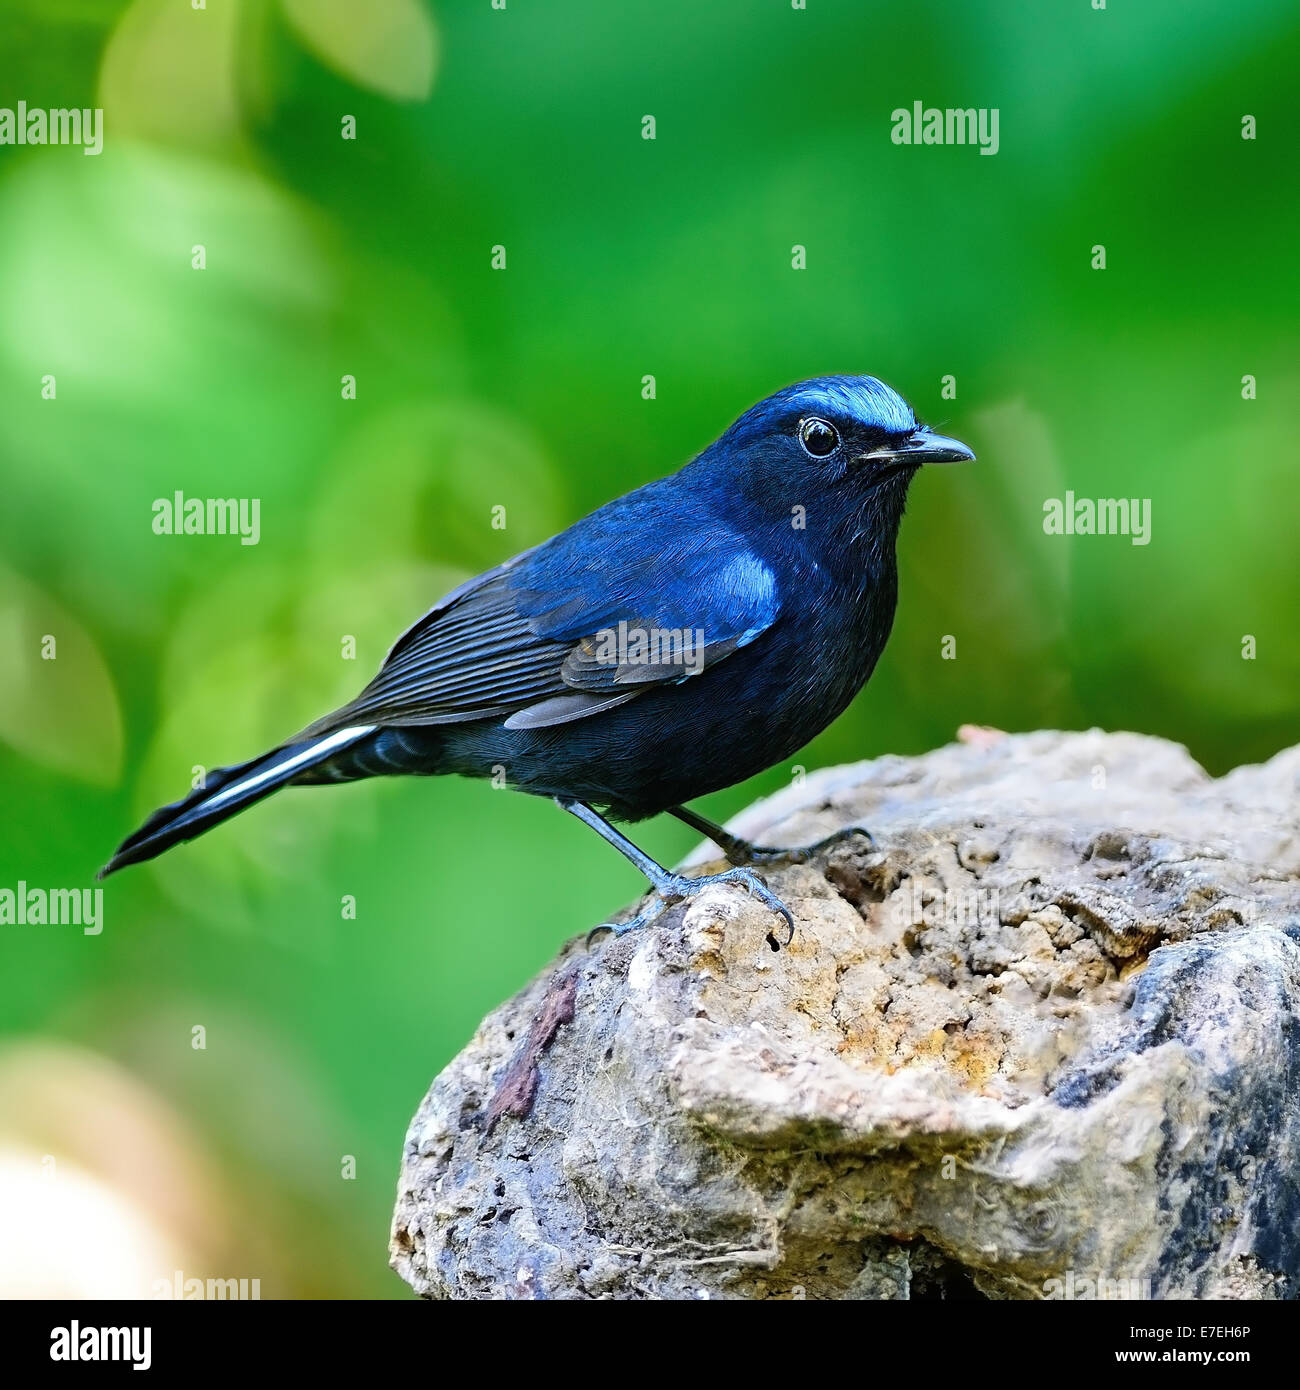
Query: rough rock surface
point(1040, 1042)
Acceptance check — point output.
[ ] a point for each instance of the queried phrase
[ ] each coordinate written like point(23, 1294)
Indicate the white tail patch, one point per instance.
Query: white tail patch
point(276, 771)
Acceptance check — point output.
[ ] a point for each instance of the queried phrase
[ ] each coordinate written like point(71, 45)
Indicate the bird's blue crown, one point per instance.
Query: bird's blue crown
point(862, 398)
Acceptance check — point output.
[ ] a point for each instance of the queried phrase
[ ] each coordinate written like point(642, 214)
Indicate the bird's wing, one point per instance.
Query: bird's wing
point(571, 628)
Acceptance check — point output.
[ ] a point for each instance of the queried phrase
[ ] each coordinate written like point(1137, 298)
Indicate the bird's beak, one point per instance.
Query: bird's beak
point(924, 446)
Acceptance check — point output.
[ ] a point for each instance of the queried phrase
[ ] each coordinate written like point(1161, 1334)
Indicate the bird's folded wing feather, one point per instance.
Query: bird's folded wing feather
point(573, 627)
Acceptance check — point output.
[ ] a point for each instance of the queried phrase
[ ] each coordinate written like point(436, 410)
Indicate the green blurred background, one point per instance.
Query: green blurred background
point(522, 388)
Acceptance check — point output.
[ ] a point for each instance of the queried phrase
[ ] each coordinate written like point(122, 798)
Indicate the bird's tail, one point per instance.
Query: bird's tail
point(226, 792)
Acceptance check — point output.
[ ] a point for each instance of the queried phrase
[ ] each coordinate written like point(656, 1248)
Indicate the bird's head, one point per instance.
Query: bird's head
point(850, 436)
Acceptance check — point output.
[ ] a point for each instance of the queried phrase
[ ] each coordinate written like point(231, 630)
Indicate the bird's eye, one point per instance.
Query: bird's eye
point(819, 439)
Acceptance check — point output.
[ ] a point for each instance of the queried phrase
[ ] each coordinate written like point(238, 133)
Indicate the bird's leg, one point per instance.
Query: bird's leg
point(739, 851)
point(669, 886)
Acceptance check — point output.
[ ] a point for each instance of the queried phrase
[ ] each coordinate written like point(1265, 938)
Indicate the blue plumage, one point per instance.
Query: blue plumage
point(673, 642)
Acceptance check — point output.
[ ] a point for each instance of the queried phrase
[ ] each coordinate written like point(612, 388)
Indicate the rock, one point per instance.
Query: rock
point(1040, 1042)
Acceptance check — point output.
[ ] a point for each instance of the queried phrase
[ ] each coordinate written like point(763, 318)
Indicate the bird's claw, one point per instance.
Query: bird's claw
point(802, 854)
point(642, 919)
point(675, 887)
point(756, 888)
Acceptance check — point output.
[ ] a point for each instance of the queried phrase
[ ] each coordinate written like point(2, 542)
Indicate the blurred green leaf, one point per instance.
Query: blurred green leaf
point(390, 46)
point(58, 704)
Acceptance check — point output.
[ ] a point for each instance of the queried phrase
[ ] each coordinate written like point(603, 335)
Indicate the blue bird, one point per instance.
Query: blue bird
point(674, 642)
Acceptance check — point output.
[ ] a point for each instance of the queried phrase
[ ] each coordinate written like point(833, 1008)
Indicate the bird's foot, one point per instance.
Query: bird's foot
point(674, 887)
point(742, 852)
